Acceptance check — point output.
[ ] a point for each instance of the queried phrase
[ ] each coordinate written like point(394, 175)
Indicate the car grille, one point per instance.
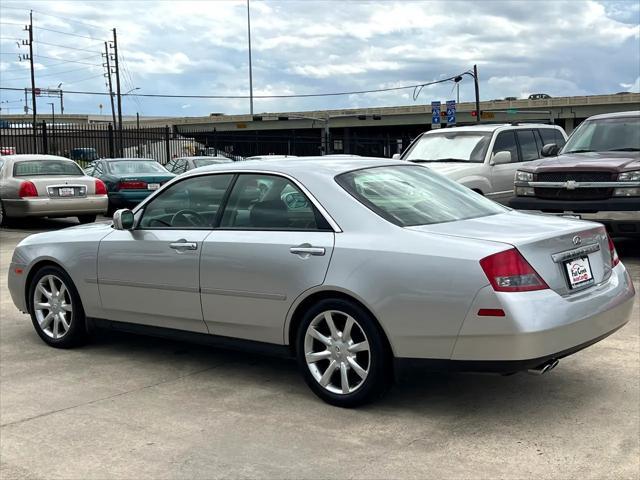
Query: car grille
point(577, 194)
point(575, 176)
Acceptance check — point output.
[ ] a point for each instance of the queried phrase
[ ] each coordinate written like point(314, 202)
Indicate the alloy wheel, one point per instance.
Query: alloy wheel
point(337, 352)
point(52, 306)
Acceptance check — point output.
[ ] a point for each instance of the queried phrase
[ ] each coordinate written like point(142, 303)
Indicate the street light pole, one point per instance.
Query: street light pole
point(250, 69)
point(477, 89)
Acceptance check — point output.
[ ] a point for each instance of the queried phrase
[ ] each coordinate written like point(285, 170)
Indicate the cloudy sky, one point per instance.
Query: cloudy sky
point(561, 48)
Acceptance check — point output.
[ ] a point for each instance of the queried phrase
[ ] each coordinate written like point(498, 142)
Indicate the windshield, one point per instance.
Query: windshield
point(605, 135)
point(208, 161)
point(414, 195)
point(450, 146)
point(127, 167)
point(31, 168)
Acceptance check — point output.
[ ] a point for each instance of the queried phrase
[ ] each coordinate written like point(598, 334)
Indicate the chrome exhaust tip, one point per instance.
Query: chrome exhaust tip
point(544, 368)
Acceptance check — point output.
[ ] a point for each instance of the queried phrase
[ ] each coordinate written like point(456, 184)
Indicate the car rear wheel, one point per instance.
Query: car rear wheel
point(56, 309)
point(342, 354)
point(87, 218)
point(3, 216)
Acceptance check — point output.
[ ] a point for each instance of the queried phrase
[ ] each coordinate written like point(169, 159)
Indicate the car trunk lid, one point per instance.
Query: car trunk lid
point(547, 243)
point(143, 181)
point(57, 186)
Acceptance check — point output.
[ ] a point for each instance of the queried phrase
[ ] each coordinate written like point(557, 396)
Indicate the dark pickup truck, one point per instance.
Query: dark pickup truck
point(596, 175)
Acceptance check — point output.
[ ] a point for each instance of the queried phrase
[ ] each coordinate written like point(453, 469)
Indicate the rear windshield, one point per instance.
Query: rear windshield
point(415, 195)
point(31, 168)
point(202, 162)
point(127, 167)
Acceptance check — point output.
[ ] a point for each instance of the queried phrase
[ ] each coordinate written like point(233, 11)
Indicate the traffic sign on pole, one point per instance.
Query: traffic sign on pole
point(451, 112)
point(435, 114)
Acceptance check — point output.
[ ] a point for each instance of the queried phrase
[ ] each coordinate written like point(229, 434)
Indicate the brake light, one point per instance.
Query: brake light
point(508, 271)
point(101, 188)
point(27, 189)
point(132, 185)
point(614, 254)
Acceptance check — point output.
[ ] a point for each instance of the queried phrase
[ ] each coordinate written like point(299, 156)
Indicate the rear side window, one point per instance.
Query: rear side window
point(28, 168)
point(506, 141)
point(270, 202)
point(415, 195)
point(528, 145)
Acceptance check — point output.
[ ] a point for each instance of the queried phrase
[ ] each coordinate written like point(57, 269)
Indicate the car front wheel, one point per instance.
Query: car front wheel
point(342, 354)
point(56, 310)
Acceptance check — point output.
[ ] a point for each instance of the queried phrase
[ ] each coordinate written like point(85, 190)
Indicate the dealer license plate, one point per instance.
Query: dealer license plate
point(579, 272)
point(66, 192)
point(153, 186)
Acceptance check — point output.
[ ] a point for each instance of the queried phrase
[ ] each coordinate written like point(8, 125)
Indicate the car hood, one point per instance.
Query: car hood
point(606, 161)
point(89, 232)
point(451, 169)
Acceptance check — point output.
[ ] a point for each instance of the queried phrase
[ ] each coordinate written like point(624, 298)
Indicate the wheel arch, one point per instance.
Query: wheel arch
point(310, 298)
point(33, 270)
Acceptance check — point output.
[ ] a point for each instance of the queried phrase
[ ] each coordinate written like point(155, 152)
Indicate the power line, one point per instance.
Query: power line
point(84, 79)
point(72, 61)
point(65, 46)
point(46, 75)
point(302, 95)
point(70, 34)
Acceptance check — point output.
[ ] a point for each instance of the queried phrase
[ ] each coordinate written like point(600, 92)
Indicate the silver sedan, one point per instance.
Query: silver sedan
point(353, 266)
point(48, 186)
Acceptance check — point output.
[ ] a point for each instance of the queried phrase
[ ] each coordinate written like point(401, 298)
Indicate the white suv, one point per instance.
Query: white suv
point(484, 157)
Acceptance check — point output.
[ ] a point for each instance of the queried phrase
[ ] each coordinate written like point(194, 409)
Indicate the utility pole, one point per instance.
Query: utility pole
point(250, 69)
point(477, 88)
point(108, 75)
point(26, 102)
point(61, 103)
point(117, 65)
point(33, 81)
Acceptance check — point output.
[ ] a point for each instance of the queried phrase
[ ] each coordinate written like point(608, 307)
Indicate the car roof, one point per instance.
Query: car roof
point(630, 113)
point(204, 157)
point(126, 158)
point(29, 156)
point(302, 166)
point(491, 127)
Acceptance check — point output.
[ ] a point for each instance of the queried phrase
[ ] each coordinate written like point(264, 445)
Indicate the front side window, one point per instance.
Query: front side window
point(270, 202)
point(191, 203)
point(551, 135)
point(414, 195)
point(506, 142)
point(528, 145)
point(450, 146)
point(28, 168)
point(131, 167)
point(620, 134)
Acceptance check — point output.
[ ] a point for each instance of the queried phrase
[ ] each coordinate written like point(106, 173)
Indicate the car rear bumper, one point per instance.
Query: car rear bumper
point(58, 207)
point(543, 324)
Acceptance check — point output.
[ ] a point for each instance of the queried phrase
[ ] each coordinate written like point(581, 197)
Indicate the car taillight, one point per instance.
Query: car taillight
point(132, 185)
point(614, 254)
point(508, 271)
point(27, 189)
point(101, 188)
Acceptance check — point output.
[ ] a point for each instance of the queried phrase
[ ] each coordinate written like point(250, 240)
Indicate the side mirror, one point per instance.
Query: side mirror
point(501, 157)
point(123, 219)
point(396, 156)
point(550, 150)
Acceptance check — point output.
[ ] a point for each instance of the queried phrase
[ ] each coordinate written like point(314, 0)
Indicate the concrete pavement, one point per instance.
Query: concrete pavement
point(136, 407)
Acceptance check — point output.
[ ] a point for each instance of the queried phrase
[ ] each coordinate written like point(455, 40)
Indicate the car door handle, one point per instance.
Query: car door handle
point(306, 249)
point(183, 245)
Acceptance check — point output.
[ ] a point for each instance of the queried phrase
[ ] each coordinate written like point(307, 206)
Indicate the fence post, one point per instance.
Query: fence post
point(45, 140)
point(167, 144)
point(111, 142)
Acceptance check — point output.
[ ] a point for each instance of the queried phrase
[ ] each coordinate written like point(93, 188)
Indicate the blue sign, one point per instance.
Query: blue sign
point(451, 112)
point(435, 114)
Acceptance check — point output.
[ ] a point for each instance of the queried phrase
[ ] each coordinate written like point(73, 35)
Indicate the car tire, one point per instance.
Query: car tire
point(346, 366)
point(3, 216)
point(56, 309)
point(87, 218)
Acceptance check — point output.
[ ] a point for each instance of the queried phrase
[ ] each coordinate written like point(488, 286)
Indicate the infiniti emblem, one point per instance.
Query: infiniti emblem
point(577, 240)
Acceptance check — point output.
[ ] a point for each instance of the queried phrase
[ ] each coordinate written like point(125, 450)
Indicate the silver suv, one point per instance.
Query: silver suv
point(484, 157)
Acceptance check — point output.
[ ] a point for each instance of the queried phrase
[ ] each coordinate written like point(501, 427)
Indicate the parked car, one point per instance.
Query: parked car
point(511, 99)
point(83, 155)
point(483, 157)
point(539, 96)
point(184, 164)
point(596, 176)
point(48, 186)
point(129, 180)
point(7, 150)
point(348, 264)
